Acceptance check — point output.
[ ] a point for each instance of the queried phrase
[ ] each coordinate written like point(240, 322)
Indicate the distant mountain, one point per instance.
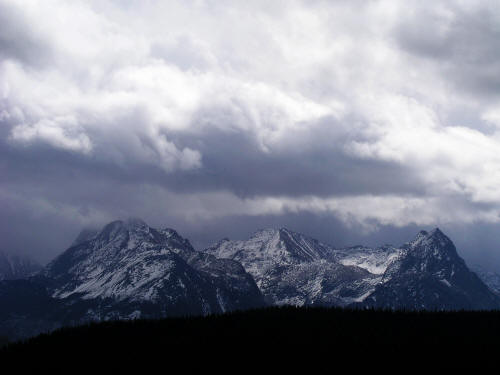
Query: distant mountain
point(132, 264)
point(428, 274)
point(291, 268)
point(126, 271)
point(14, 267)
point(269, 247)
point(490, 278)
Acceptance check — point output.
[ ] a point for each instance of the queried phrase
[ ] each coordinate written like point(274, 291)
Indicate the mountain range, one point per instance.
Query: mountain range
point(128, 270)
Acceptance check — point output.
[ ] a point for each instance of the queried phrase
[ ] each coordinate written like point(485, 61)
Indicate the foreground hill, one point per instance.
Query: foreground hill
point(283, 337)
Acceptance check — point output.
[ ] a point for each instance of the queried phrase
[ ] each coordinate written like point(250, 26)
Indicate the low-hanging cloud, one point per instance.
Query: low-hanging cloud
point(379, 114)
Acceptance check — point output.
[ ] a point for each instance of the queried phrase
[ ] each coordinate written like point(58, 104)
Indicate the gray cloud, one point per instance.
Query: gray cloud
point(463, 39)
point(19, 40)
point(355, 124)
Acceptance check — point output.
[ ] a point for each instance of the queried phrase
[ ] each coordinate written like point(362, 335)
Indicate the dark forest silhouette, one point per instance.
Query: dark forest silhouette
point(281, 335)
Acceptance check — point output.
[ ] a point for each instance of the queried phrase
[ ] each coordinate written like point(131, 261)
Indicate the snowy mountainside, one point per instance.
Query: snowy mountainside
point(424, 273)
point(269, 247)
point(132, 262)
point(127, 270)
point(320, 283)
point(374, 260)
point(291, 268)
point(429, 274)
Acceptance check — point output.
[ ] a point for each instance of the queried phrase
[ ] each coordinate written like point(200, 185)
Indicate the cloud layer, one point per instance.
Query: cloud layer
point(376, 115)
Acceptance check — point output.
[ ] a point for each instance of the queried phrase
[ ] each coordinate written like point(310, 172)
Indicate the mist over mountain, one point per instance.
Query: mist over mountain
point(14, 267)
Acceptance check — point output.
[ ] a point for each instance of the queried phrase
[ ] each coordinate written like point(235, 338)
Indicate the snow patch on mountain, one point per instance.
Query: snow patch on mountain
point(374, 261)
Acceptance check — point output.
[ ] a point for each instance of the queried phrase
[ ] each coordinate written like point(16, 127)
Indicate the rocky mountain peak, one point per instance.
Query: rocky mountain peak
point(429, 274)
point(434, 243)
point(129, 234)
point(130, 261)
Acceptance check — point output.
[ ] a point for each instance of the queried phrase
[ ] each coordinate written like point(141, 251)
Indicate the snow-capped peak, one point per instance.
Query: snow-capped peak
point(434, 244)
point(130, 261)
point(271, 246)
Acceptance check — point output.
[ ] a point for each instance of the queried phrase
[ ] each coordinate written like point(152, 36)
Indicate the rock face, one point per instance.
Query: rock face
point(290, 268)
point(429, 274)
point(13, 267)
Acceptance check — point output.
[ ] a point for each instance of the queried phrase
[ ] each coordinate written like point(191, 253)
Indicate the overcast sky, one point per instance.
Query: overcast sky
point(351, 121)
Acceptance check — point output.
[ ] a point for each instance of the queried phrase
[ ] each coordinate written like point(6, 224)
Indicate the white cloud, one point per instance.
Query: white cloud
point(366, 211)
point(59, 132)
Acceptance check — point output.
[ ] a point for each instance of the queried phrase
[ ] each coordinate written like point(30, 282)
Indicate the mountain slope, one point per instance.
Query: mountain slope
point(268, 247)
point(426, 273)
point(291, 268)
point(132, 263)
point(126, 271)
point(429, 274)
point(490, 278)
point(374, 260)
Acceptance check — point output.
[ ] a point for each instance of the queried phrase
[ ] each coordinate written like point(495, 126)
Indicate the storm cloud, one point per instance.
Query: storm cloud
point(355, 122)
